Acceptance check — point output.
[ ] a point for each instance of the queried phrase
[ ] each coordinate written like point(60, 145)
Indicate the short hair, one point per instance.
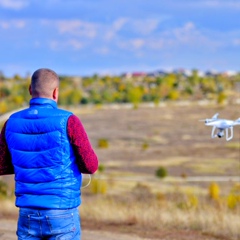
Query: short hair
point(43, 82)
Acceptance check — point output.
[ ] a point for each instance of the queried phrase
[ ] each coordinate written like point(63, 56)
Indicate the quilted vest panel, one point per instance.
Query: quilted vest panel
point(46, 173)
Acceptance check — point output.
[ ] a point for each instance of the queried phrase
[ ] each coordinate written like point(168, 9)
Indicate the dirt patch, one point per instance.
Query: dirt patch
point(110, 231)
point(130, 229)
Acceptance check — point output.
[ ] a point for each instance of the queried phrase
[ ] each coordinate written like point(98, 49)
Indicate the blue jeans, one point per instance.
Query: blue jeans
point(49, 224)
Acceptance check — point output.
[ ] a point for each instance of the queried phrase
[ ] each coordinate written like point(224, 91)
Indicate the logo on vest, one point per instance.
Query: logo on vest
point(35, 111)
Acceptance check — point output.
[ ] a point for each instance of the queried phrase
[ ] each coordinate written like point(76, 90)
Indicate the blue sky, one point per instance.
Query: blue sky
point(84, 37)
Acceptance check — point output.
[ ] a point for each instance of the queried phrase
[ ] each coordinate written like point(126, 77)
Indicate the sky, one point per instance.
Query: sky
point(86, 37)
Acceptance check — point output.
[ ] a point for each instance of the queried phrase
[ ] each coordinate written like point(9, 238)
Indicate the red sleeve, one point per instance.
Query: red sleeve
point(86, 158)
point(6, 166)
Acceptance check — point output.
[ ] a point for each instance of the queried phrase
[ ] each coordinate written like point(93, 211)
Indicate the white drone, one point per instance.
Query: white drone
point(221, 125)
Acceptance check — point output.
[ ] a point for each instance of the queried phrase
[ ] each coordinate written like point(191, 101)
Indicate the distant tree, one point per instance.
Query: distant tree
point(95, 96)
point(221, 97)
point(75, 97)
point(107, 95)
point(4, 92)
point(163, 90)
point(173, 94)
point(3, 107)
point(194, 78)
point(208, 85)
point(2, 78)
point(84, 100)
point(134, 95)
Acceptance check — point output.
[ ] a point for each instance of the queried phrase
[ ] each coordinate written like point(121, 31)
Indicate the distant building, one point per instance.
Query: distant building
point(139, 74)
point(129, 75)
point(159, 73)
point(211, 73)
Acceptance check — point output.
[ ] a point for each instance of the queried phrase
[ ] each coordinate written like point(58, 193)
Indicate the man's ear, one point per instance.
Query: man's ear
point(30, 90)
point(55, 94)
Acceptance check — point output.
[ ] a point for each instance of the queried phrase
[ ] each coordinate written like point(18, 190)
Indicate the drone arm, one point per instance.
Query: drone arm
point(236, 122)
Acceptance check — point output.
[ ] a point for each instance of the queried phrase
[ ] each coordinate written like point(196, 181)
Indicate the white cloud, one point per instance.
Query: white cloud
point(216, 4)
point(37, 44)
point(14, 4)
point(184, 37)
point(18, 24)
point(187, 33)
point(124, 34)
point(160, 43)
point(145, 26)
point(236, 42)
point(102, 50)
point(4, 24)
point(109, 32)
point(137, 43)
point(77, 28)
point(70, 34)
point(119, 24)
point(138, 27)
point(105, 33)
point(74, 44)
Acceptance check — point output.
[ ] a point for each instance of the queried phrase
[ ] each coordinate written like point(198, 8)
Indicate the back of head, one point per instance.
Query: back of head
point(43, 83)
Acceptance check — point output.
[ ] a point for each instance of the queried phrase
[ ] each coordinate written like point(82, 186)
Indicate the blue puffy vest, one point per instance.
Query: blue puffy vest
point(46, 173)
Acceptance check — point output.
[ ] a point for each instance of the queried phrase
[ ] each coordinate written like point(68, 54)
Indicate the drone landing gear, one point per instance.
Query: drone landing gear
point(220, 133)
point(231, 136)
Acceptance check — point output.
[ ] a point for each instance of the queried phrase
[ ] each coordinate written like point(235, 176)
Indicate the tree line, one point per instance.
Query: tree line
point(124, 89)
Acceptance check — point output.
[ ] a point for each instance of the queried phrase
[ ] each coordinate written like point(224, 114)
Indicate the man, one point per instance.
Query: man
point(47, 149)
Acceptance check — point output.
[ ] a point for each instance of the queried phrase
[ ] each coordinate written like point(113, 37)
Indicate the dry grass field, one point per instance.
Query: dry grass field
point(172, 135)
point(144, 139)
point(131, 199)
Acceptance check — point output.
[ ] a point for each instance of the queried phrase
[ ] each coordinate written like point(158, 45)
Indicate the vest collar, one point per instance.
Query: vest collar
point(43, 101)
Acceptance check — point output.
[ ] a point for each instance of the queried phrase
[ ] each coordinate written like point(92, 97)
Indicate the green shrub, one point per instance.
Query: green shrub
point(99, 186)
point(214, 191)
point(145, 146)
point(3, 189)
point(103, 143)
point(173, 95)
point(221, 98)
point(101, 168)
point(84, 100)
point(189, 201)
point(3, 107)
point(161, 172)
point(232, 201)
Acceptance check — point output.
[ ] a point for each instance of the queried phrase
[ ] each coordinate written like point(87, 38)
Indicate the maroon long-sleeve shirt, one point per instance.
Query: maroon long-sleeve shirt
point(85, 156)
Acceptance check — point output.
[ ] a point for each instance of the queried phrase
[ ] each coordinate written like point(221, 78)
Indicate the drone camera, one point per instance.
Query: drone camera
point(220, 134)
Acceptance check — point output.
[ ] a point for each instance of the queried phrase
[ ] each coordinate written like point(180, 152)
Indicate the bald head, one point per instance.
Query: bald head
point(44, 83)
